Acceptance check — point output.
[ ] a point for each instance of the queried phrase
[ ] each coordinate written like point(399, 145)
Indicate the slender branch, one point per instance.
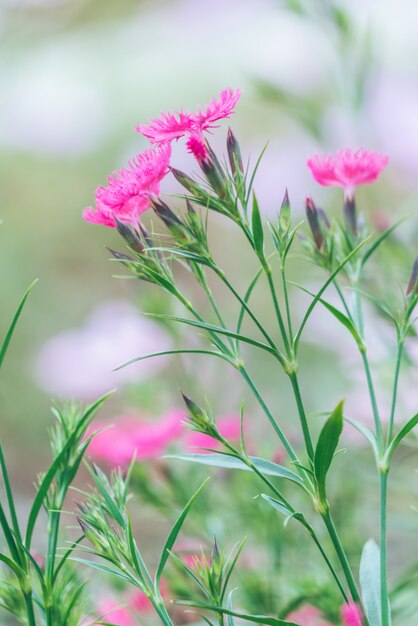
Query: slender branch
point(395, 389)
point(279, 316)
point(286, 300)
point(287, 445)
point(383, 551)
point(342, 557)
point(302, 416)
point(372, 394)
point(29, 608)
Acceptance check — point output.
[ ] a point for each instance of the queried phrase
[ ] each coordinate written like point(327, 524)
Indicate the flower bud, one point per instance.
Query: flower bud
point(188, 183)
point(234, 154)
point(413, 281)
point(350, 214)
point(313, 220)
point(130, 235)
point(164, 212)
point(284, 215)
point(214, 173)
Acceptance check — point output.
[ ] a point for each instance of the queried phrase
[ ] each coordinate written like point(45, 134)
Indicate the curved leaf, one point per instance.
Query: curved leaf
point(231, 462)
point(326, 447)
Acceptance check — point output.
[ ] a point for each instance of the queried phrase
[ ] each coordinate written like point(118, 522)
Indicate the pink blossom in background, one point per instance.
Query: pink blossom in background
point(132, 435)
point(80, 362)
point(112, 612)
point(171, 126)
point(308, 616)
point(229, 426)
point(129, 190)
point(351, 615)
point(347, 168)
point(140, 603)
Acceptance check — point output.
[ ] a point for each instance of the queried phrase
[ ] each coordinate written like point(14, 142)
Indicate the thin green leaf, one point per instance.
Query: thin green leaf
point(326, 447)
point(174, 533)
point(405, 430)
point(102, 568)
point(366, 432)
point(10, 563)
point(137, 559)
point(247, 297)
point(380, 239)
point(12, 326)
point(257, 229)
point(101, 483)
point(341, 317)
point(257, 619)
point(50, 475)
point(231, 462)
point(165, 352)
point(370, 582)
point(221, 331)
point(325, 286)
point(9, 496)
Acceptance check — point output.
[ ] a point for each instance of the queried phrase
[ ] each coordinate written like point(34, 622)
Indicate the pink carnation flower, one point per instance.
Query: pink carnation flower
point(113, 613)
point(131, 436)
point(129, 190)
point(307, 616)
point(229, 426)
point(191, 125)
point(351, 615)
point(347, 168)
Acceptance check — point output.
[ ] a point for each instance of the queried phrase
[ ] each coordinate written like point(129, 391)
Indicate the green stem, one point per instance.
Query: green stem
point(279, 316)
point(286, 300)
point(395, 390)
point(29, 609)
point(330, 566)
point(332, 531)
point(215, 307)
point(225, 280)
point(287, 445)
point(384, 601)
point(302, 416)
point(372, 394)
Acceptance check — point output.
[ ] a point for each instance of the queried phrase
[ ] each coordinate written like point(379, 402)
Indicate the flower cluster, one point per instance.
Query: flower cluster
point(130, 191)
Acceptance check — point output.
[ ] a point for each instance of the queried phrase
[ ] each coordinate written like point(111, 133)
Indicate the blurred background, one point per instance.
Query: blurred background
point(77, 76)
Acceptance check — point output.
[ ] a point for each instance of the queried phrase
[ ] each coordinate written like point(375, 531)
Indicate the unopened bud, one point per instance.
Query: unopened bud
point(413, 281)
point(324, 218)
point(234, 154)
point(214, 173)
point(120, 256)
point(313, 220)
point(166, 214)
point(194, 409)
point(188, 183)
point(130, 235)
point(215, 551)
point(350, 213)
point(284, 215)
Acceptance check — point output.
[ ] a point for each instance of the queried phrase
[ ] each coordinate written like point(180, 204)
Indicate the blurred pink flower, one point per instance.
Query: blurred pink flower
point(114, 613)
point(347, 168)
point(129, 190)
point(351, 615)
point(229, 426)
point(173, 126)
point(308, 616)
point(140, 603)
point(80, 362)
point(131, 435)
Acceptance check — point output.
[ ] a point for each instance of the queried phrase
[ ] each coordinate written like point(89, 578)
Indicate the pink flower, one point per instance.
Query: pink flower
point(347, 168)
point(130, 189)
point(114, 613)
point(307, 616)
point(174, 126)
point(140, 603)
point(229, 426)
point(351, 615)
point(131, 436)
